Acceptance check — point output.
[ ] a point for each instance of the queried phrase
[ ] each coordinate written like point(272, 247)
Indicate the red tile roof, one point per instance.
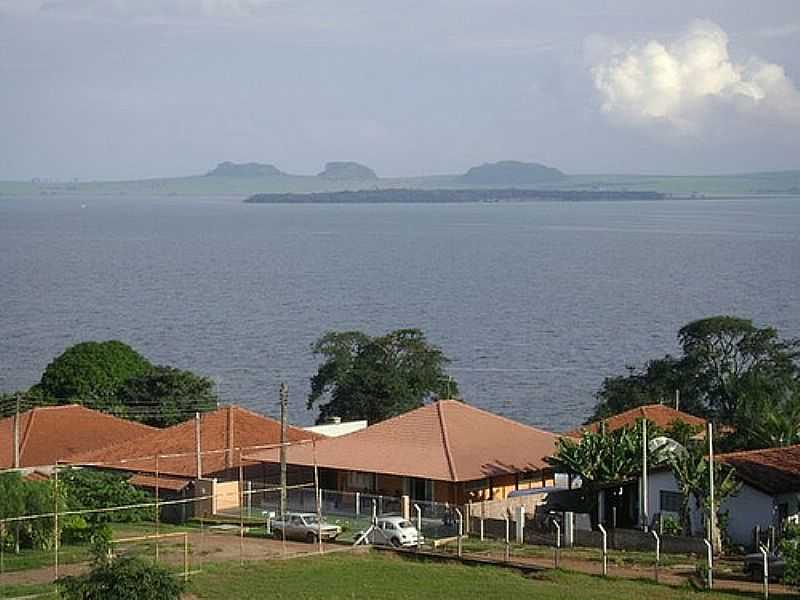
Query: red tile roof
point(52, 433)
point(659, 414)
point(444, 441)
point(222, 429)
point(773, 470)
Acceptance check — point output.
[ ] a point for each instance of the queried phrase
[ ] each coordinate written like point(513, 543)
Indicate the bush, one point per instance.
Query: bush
point(126, 578)
point(790, 548)
point(671, 526)
point(88, 489)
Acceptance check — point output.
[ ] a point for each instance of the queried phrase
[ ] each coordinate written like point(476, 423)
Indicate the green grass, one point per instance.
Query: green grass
point(365, 576)
point(29, 589)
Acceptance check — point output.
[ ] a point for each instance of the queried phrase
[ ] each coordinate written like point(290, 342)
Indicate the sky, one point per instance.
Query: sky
point(124, 89)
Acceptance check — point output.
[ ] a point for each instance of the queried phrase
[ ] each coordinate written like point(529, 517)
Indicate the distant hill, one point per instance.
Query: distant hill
point(251, 169)
point(347, 170)
point(511, 172)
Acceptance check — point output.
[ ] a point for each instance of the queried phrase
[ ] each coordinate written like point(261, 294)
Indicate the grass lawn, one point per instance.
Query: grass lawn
point(354, 576)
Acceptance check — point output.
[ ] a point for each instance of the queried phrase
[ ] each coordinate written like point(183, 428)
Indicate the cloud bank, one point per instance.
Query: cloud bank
point(690, 82)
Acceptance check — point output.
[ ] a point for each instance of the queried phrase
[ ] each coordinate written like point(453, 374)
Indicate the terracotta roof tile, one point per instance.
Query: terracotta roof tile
point(774, 470)
point(444, 441)
point(227, 427)
point(52, 433)
point(659, 414)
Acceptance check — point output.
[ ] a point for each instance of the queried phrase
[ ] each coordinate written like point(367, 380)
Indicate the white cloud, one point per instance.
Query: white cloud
point(686, 82)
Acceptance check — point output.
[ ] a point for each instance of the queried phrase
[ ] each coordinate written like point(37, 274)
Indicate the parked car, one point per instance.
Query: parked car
point(395, 531)
point(305, 526)
point(754, 565)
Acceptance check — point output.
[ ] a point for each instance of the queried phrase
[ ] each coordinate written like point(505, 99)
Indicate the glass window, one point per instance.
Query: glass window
point(671, 501)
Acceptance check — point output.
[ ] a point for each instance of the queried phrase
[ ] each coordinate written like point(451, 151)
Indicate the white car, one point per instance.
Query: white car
point(395, 531)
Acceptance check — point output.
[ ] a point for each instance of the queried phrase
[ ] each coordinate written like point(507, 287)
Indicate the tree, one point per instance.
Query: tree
point(125, 578)
point(376, 378)
point(690, 467)
point(656, 383)
point(720, 352)
point(601, 458)
point(766, 416)
point(91, 373)
point(164, 396)
point(88, 489)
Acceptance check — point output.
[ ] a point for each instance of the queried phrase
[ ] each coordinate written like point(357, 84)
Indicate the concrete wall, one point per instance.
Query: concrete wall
point(750, 507)
point(497, 509)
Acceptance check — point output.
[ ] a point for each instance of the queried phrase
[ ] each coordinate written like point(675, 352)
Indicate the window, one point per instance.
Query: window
point(671, 501)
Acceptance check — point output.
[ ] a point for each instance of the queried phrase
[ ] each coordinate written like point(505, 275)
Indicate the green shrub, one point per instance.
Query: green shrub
point(126, 578)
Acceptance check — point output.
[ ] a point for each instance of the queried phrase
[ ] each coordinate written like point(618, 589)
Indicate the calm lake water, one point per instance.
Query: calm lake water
point(534, 303)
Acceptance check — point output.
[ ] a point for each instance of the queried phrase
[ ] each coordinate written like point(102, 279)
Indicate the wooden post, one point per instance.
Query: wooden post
point(317, 495)
point(16, 436)
point(241, 511)
point(185, 557)
point(284, 400)
point(55, 519)
point(712, 517)
point(158, 509)
point(198, 452)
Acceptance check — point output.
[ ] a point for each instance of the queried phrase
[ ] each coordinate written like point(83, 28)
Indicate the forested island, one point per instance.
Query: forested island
point(449, 196)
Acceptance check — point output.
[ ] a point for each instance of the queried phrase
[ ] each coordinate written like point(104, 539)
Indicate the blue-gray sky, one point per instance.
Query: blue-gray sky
point(111, 89)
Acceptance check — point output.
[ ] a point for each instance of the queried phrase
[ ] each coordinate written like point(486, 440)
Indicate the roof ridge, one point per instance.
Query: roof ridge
point(27, 433)
point(446, 442)
point(463, 404)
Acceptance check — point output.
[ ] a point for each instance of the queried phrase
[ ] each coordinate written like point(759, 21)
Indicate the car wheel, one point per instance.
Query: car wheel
point(395, 542)
point(311, 538)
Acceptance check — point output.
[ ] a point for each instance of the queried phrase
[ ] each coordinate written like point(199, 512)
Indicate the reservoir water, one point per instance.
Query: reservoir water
point(534, 303)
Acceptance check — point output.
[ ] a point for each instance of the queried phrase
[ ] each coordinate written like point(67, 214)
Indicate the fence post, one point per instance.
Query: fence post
point(765, 571)
point(460, 530)
point(405, 503)
point(482, 528)
point(508, 539)
point(419, 525)
point(658, 551)
point(520, 525)
point(358, 503)
point(185, 557)
point(710, 559)
point(250, 499)
point(605, 548)
point(556, 557)
point(374, 511)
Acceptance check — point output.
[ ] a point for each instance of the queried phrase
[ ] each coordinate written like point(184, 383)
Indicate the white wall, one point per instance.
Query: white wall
point(750, 507)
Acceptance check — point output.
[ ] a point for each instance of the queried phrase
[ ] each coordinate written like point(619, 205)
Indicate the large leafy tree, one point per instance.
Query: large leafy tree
point(165, 396)
point(720, 352)
point(91, 373)
point(88, 489)
point(375, 378)
point(720, 356)
point(767, 416)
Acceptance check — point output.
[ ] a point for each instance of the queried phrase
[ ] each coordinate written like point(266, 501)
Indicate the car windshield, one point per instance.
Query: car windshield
point(405, 525)
point(311, 519)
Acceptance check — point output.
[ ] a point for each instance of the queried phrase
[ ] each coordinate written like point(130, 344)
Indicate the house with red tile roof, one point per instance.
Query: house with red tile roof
point(222, 436)
point(659, 414)
point(52, 433)
point(769, 495)
point(447, 451)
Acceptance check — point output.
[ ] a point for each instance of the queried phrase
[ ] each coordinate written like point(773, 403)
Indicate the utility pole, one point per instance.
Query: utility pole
point(712, 518)
point(677, 399)
point(199, 465)
point(16, 435)
point(284, 397)
point(645, 520)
